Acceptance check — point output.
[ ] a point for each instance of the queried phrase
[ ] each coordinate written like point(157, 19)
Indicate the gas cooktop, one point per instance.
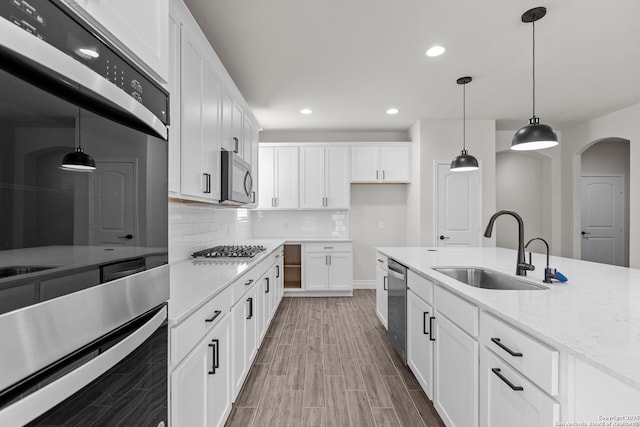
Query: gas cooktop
point(228, 251)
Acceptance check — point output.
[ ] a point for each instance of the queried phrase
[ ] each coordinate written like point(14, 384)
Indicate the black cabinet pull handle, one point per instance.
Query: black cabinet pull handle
point(424, 323)
point(247, 283)
point(385, 283)
point(250, 301)
point(235, 141)
point(214, 317)
point(506, 381)
point(277, 271)
point(267, 279)
point(215, 345)
point(431, 319)
point(497, 342)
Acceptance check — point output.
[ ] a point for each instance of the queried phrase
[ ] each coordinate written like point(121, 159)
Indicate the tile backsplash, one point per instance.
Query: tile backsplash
point(299, 224)
point(194, 226)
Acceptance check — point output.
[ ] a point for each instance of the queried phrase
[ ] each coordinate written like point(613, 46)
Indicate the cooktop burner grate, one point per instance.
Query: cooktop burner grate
point(228, 251)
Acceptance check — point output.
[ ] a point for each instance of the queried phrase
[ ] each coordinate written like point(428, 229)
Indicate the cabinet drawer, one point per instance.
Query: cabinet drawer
point(509, 399)
point(328, 247)
point(422, 286)
point(244, 283)
point(188, 333)
point(533, 359)
point(382, 260)
point(459, 311)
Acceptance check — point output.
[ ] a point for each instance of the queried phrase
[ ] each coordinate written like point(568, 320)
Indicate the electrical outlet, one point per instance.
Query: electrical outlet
point(381, 225)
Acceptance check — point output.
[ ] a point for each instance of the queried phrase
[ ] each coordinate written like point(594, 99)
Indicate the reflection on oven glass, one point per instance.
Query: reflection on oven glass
point(132, 393)
point(58, 228)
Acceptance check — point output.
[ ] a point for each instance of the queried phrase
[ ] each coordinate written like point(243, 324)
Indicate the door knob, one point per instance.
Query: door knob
point(584, 232)
point(444, 237)
point(128, 237)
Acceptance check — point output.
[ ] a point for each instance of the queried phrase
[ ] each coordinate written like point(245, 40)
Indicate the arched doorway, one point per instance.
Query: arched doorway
point(604, 201)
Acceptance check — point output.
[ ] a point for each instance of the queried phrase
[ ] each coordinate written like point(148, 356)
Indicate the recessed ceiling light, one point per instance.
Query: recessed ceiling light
point(392, 111)
point(306, 111)
point(435, 51)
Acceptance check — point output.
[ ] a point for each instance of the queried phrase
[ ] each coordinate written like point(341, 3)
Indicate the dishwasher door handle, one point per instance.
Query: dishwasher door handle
point(396, 274)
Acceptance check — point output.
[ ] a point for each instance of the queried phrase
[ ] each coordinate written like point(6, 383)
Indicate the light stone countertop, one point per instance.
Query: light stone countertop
point(193, 282)
point(595, 316)
point(64, 258)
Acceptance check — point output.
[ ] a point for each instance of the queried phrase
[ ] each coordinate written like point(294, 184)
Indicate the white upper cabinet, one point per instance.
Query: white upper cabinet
point(381, 164)
point(207, 112)
point(140, 28)
point(200, 94)
point(278, 177)
point(324, 177)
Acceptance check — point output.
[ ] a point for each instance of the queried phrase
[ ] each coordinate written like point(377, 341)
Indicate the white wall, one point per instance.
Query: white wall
point(373, 204)
point(519, 187)
point(542, 218)
point(442, 140)
point(414, 204)
point(620, 124)
point(610, 156)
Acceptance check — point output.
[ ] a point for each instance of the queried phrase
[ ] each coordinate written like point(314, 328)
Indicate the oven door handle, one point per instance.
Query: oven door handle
point(68, 78)
point(37, 403)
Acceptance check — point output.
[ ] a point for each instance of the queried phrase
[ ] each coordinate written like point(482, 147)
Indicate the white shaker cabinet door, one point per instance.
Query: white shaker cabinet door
point(316, 275)
point(312, 177)
point(266, 177)
point(509, 399)
point(395, 164)
point(382, 294)
point(364, 164)
point(286, 177)
point(420, 345)
point(336, 178)
point(456, 375)
point(340, 271)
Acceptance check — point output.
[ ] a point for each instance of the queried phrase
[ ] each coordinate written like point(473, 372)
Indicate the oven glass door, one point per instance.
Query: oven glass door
point(131, 391)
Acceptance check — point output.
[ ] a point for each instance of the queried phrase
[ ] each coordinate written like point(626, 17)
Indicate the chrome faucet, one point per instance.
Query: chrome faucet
point(521, 265)
point(549, 273)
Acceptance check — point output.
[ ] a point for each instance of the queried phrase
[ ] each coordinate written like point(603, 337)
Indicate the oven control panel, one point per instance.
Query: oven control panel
point(54, 23)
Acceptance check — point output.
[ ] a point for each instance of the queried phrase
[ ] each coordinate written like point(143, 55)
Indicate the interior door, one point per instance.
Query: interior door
point(114, 204)
point(603, 219)
point(458, 211)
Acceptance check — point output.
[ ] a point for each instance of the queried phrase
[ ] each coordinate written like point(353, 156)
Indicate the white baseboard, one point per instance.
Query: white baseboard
point(364, 284)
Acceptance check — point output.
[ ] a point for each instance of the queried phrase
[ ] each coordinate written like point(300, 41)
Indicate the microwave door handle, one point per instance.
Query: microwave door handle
point(248, 183)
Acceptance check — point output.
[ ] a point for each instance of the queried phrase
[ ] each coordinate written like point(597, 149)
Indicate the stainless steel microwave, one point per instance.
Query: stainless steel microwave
point(237, 182)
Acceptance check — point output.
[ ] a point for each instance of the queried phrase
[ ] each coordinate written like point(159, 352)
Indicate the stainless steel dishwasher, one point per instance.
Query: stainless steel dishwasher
point(397, 305)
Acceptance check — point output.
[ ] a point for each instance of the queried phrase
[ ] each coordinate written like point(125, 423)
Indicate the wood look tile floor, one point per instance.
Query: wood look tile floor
point(327, 362)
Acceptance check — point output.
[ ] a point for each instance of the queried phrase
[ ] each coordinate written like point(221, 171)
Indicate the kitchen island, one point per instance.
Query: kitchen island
point(591, 323)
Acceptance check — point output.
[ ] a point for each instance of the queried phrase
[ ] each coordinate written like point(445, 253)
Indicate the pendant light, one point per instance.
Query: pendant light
point(465, 161)
point(534, 136)
point(78, 161)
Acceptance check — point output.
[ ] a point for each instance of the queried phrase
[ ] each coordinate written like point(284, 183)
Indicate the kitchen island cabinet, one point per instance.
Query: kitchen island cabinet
point(560, 350)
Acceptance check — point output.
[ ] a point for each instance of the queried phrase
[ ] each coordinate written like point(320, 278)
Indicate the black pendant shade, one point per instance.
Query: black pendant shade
point(465, 161)
point(534, 136)
point(78, 161)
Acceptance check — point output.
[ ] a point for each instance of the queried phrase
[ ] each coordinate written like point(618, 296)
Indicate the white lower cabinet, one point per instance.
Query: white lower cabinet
point(328, 267)
point(382, 293)
point(420, 344)
point(509, 399)
point(456, 374)
point(200, 393)
point(245, 338)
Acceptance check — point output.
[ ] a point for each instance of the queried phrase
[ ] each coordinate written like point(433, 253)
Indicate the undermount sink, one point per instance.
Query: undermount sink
point(17, 270)
point(487, 279)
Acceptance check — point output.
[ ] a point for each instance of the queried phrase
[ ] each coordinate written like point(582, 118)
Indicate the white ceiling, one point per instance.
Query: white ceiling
point(350, 60)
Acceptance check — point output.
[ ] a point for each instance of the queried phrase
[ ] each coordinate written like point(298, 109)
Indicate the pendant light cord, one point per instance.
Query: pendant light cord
point(534, 68)
point(464, 117)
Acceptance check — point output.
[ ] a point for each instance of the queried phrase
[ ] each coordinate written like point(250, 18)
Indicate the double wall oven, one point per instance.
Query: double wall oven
point(84, 280)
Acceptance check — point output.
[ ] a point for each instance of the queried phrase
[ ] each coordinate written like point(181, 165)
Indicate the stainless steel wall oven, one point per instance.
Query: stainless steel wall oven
point(84, 280)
